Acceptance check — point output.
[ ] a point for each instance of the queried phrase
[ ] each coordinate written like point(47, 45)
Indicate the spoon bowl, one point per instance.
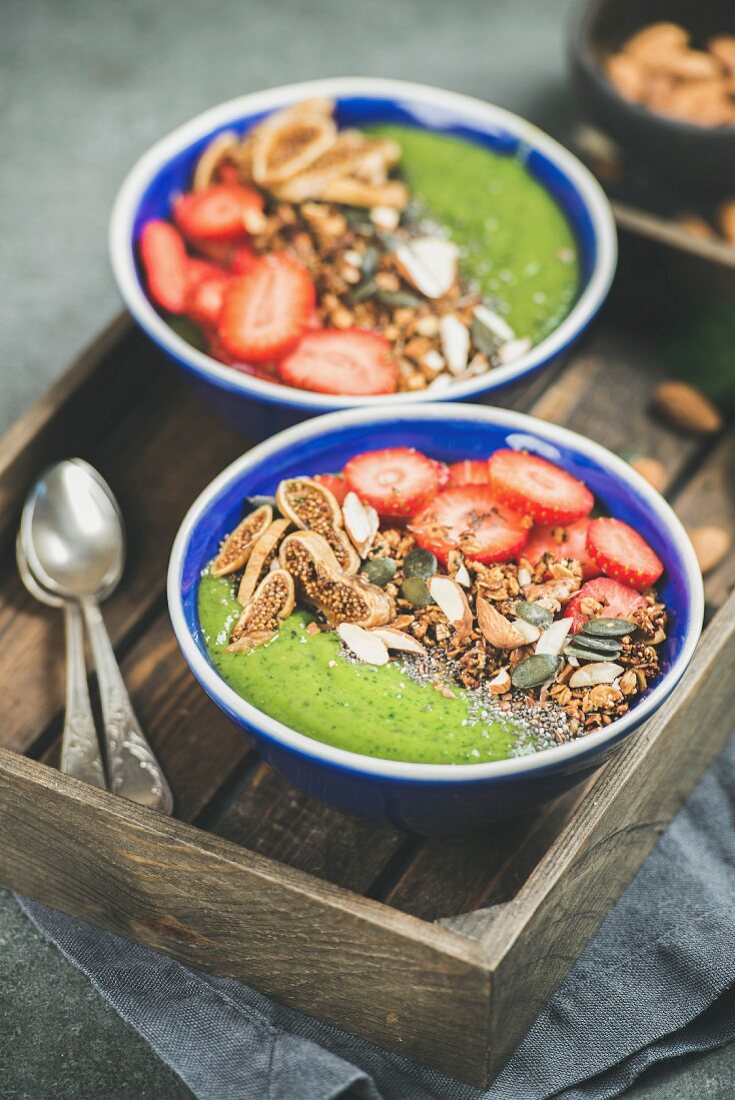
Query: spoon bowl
point(72, 532)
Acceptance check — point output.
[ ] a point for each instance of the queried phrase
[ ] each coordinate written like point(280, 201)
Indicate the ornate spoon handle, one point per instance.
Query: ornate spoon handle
point(80, 748)
point(134, 772)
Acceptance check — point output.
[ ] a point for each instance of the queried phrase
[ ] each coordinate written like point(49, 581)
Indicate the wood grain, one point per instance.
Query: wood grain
point(156, 458)
point(210, 903)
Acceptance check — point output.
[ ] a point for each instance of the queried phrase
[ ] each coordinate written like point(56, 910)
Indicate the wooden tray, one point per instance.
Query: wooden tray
point(443, 950)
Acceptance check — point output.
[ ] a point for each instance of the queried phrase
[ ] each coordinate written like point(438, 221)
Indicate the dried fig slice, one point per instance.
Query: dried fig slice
point(273, 601)
point(356, 192)
point(344, 158)
point(287, 145)
point(223, 147)
point(238, 545)
point(312, 507)
point(323, 585)
point(261, 556)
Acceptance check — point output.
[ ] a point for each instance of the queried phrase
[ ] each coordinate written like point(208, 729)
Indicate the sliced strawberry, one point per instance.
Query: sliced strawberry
point(217, 212)
point(537, 488)
point(471, 519)
point(335, 483)
point(622, 553)
point(222, 253)
point(563, 541)
point(244, 259)
point(348, 361)
point(618, 600)
point(469, 472)
point(205, 294)
point(398, 482)
point(265, 312)
point(165, 262)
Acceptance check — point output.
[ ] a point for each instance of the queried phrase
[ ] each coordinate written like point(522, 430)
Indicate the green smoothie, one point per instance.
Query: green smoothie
point(517, 246)
point(304, 681)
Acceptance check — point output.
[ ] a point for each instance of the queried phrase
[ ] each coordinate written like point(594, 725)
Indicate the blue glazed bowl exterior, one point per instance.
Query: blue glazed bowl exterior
point(257, 407)
point(430, 798)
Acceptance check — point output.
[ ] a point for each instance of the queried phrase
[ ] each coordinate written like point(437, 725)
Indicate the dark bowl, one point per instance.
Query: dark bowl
point(696, 157)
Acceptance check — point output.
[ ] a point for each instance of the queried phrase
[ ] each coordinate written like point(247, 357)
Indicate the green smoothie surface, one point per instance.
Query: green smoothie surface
point(516, 244)
point(304, 681)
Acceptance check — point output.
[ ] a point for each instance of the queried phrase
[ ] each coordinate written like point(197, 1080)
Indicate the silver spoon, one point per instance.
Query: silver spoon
point(73, 538)
point(80, 748)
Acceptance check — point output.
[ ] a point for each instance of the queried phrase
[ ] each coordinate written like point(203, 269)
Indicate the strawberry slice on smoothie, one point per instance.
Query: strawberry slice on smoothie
point(265, 312)
point(537, 488)
point(397, 482)
point(470, 518)
point(353, 362)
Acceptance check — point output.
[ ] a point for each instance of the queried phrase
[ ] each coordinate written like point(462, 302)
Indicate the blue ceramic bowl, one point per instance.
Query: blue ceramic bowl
point(258, 407)
point(428, 798)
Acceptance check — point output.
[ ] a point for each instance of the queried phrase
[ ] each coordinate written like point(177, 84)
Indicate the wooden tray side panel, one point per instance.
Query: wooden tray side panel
point(322, 950)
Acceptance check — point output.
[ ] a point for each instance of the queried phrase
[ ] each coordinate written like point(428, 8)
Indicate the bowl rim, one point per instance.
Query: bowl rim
point(581, 39)
point(473, 111)
point(377, 767)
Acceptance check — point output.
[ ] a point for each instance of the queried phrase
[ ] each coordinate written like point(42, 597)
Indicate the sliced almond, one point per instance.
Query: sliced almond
point(500, 683)
point(364, 644)
point(462, 576)
point(361, 523)
point(496, 629)
point(396, 639)
point(452, 601)
point(496, 325)
point(599, 672)
point(514, 349)
point(385, 217)
point(429, 264)
point(530, 632)
point(455, 338)
point(553, 638)
point(433, 359)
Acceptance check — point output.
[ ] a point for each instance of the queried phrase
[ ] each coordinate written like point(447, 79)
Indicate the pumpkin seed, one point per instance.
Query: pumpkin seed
point(379, 571)
point(414, 590)
point(608, 628)
point(370, 261)
point(363, 291)
point(535, 670)
point(398, 299)
point(583, 653)
point(598, 645)
point(420, 563)
point(483, 339)
point(534, 614)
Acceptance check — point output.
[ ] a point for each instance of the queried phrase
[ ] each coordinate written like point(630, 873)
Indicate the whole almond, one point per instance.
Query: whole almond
point(726, 219)
point(711, 544)
point(697, 227)
point(497, 630)
point(628, 75)
point(652, 470)
point(723, 48)
point(686, 408)
point(659, 40)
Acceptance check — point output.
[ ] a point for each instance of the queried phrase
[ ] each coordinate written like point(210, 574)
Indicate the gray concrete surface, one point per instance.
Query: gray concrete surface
point(85, 87)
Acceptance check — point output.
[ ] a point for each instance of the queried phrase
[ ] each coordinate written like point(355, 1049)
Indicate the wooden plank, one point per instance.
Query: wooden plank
point(156, 458)
point(452, 875)
point(709, 498)
point(325, 951)
point(197, 745)
point(273, 818)
point(529, 946)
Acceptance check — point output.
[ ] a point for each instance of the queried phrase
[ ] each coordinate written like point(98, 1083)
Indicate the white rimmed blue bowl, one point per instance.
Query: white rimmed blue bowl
point(429, 798)
point(259, 407)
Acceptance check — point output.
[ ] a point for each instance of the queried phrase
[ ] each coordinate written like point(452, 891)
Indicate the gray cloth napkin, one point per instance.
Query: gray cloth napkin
point(656, 982)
